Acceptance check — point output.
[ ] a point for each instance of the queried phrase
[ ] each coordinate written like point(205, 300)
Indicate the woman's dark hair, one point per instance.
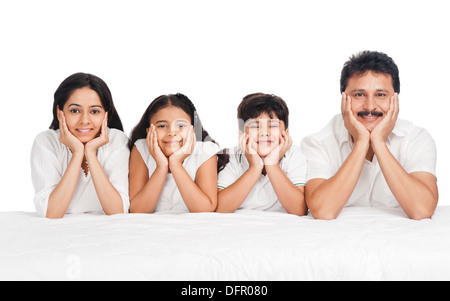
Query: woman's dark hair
point(375, 61)
point(255, 104)
point(82, 80)
point(180, 101)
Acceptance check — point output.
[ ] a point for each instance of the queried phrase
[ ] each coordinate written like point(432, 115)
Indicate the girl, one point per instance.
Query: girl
point(169, 169)
point(81, 163)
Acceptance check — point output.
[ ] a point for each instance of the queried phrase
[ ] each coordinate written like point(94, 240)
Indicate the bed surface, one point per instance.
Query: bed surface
point(361, 244)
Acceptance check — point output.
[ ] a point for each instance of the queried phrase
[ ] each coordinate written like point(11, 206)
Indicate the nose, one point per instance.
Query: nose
point(264, 130)
point(370, 104)
point(85, 118)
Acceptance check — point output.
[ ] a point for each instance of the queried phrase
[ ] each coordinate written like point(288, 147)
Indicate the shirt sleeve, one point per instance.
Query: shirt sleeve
point(318, 161)
point(422, 153)
point(296, 166)
point(46, 171)
point(230, 173)
point(116, 165)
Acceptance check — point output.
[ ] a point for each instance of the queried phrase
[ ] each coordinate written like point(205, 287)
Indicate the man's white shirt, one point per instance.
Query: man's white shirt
point(326, 151)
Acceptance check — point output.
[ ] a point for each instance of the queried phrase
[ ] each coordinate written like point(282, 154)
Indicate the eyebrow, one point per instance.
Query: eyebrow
point(77, 105)
point(364, 90)
point(178, 120)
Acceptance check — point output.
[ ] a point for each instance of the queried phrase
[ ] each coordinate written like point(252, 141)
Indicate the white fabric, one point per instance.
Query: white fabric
point(327, 150)
point(170, 198)
point(49, 161)
point(263, 196)
point(363, 243)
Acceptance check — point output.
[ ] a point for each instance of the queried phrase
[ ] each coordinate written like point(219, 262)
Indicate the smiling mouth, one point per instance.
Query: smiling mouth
point(84, 131)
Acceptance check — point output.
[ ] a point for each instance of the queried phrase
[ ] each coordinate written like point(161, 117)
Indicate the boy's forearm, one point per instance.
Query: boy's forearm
point(231, 198)
point(291, 197)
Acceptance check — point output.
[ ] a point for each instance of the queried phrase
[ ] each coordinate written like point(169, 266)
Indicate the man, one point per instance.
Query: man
point(366, 156)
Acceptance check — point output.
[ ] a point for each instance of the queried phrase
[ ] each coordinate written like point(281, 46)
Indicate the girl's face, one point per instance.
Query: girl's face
point(172, 125)
point(265, 132)
point(84, 114)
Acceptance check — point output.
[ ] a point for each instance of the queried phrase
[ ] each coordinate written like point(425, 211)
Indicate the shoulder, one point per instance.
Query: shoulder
point(142, 148)
point(206, 147)
point(411, 132)
point(117, 138)
point(294, 153)
point(48, 139)
point(329, 133)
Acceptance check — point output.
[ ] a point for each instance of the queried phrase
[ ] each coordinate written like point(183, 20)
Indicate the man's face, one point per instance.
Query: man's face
point(370, 93)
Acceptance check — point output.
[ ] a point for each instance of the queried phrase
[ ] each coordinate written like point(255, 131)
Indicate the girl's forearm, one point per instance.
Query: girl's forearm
point(146, 199)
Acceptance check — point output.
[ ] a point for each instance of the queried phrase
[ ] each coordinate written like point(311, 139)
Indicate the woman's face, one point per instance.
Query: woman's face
point(171, 125)
point(84, 114)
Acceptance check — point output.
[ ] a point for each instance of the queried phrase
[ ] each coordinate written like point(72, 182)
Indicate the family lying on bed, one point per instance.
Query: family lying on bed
point(364, 156)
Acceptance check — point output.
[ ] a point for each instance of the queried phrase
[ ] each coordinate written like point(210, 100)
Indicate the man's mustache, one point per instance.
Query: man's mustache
point(367, 113)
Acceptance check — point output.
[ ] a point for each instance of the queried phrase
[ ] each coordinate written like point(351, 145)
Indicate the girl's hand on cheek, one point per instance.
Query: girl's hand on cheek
point(178, 157)
point(154, 149)
point(66, 137)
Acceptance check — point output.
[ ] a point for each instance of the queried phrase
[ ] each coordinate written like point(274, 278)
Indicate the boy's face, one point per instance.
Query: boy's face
point(265, 133)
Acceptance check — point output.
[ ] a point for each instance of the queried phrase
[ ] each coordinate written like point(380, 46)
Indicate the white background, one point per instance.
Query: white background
point(215, 52)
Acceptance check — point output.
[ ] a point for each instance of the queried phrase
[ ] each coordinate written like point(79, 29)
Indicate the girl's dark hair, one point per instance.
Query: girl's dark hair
point(81, 80)
point(183, 102)
point(375, 61)
point(255, 104)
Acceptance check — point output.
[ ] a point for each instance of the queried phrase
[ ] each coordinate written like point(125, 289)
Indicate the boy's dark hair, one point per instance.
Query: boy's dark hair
point(255, 104)
point(375, 61)
point(82, 80)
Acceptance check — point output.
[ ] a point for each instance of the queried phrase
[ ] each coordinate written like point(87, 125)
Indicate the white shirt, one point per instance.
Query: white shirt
point(170, 198)
point(327, 150)
point(49, 161)
point(263, 196)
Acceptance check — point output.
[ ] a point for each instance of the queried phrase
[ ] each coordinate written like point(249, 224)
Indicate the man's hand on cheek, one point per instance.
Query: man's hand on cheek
point(380, 133)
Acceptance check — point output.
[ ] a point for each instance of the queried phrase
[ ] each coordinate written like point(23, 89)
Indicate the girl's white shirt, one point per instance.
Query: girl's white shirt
point(170, 198)
point(49, 161)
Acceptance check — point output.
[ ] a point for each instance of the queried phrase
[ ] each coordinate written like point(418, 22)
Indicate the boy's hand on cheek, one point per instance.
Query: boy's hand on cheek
point(278, 152)
point(248, 147)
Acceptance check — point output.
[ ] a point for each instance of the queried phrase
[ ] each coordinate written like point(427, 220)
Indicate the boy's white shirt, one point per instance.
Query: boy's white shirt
point(263, 196)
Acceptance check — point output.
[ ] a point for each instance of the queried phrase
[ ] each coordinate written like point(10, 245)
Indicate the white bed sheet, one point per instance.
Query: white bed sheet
point(361, 244)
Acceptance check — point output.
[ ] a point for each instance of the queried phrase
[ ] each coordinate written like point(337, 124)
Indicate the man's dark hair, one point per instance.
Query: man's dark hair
point(374, 61)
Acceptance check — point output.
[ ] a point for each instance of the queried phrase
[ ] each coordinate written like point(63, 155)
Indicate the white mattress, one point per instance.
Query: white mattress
point(361, 244)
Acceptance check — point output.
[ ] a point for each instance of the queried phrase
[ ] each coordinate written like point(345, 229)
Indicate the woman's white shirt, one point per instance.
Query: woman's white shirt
point(49, 161)
point(170, 198)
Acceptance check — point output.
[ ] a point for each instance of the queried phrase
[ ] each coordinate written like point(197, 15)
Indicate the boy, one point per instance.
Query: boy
point(265, 171)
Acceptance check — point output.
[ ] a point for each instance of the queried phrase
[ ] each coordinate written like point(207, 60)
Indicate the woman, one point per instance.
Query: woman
point(81, 163)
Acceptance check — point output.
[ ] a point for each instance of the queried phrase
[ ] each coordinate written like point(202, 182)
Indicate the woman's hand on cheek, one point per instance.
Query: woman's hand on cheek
point(154, 149)
point(66, 137)
point(93, 145)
